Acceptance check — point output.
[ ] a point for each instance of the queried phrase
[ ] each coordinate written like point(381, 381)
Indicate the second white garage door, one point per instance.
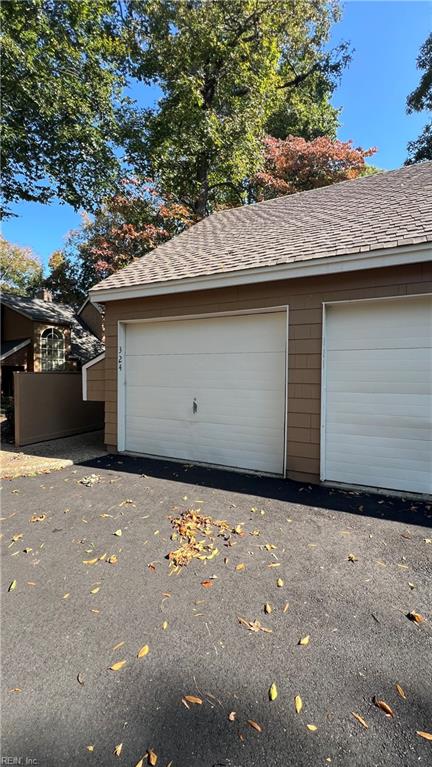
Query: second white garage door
point(208, 390)
point(377, 394)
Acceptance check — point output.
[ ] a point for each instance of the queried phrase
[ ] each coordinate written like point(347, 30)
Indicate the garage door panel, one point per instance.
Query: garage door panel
point(155, 338)
point(379, 404)
point(147, 401)
point(220, 443)
point(378, 394)
point(235, 369)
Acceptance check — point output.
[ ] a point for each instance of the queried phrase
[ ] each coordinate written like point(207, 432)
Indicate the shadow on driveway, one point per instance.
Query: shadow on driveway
point(405, 510)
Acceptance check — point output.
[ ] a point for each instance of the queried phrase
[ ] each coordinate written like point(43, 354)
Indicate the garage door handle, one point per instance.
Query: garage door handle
point(194, 405)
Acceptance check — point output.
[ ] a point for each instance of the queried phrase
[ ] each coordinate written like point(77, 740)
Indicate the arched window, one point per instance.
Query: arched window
point(52, 349)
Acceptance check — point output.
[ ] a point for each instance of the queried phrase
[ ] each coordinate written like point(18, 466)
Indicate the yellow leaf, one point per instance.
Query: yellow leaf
point(193, 699)
point(304, 640)
point(117, 666)
point(268, 608)
point(352, 558)
point(312, 727)
point(118, 532)
point(118, 749)
point(285, 610)
point(383, 706)
point(95, 590)
point(118, 645)
point(165, 625)
point(231, 716)
point(90, 561)
point(152, 757)
point(240, 567)
point(66, 596)
point(12, 586)
point(140, 763)
point(273, 693)
point(145, 649)
point(360, 719)
point(425, 735)
point(416, 617)
point(400, 691)
point(90, 748)
point(279, 583)
point(274, 564)
point(298, 704)
point(112, 560)
point(254, 725)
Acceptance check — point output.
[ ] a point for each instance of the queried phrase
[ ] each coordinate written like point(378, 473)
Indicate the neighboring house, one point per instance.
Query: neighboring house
point(291, 337)
point(38, 335)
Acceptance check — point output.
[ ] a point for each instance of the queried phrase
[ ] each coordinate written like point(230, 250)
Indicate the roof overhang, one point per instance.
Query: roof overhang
point(391, 256)
point(19, 345)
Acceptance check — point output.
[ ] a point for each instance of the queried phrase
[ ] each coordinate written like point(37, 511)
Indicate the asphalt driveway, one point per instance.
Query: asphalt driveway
point(350, 567)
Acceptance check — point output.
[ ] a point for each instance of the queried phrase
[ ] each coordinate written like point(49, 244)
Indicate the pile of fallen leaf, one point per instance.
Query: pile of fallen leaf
point(196, 533)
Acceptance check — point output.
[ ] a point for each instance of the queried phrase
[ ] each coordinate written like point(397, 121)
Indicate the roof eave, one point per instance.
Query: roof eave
point(390, 256)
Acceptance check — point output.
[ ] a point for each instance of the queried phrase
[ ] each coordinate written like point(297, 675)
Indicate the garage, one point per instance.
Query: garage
point(377, 394)
point(208, 390)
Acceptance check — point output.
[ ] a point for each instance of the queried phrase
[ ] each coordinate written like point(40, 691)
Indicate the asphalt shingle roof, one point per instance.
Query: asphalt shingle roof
point(84, 344)
point(380, 211)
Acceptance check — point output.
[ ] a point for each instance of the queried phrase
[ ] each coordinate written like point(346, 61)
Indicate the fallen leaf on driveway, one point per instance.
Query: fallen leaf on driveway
point(80, 679)
point(400, 691)
point(207, 584)
point(254, 725)
point(118, 749)
point(140, 763)
point(352, 558)
point(415, 617)
point(152, 757)
point(117, 666)
point(241, 566)
point(273, 693)
point(12, 586)
point(254, 626)
point(279, 583)
point(118, 533)
point(304, 640)
point(298, 704)
point(112, 560)
point(232, 716)
point(383, 706)
point(286, 606)
point(312, 727)
point(95, 590)
point(193, 699)
point(118, 645)
point(38, 517)
point(360, 719)
point(90, 561)
point(144, 651)
point(268, 608)
point(90, 748)
point(425, 735)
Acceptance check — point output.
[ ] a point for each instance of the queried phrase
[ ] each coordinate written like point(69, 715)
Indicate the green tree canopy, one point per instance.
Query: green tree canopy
point(421, 100)
point(62, 78)
point(20, 269)
point(228, 70)
point(63, 279)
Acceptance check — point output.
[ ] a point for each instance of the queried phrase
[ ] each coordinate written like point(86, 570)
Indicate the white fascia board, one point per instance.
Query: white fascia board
point(14, 350)
point(375, 259)
point(84, 369)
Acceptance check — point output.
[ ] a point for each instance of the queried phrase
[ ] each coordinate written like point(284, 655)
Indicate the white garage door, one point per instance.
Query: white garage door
point(208, 390)
point(377, 394)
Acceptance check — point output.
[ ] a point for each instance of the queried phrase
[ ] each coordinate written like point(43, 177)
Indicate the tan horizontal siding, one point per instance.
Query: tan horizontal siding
point(96, 382)
point(305, 298)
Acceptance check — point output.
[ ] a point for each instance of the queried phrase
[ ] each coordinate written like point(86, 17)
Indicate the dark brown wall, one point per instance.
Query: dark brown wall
point(50, 405)
point(304, 297)
point(93, 319)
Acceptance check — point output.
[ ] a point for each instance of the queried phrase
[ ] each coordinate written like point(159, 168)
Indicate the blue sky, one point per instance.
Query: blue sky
point(386, 36)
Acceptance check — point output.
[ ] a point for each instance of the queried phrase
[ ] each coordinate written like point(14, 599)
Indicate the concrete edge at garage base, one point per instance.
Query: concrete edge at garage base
point(50, 406)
